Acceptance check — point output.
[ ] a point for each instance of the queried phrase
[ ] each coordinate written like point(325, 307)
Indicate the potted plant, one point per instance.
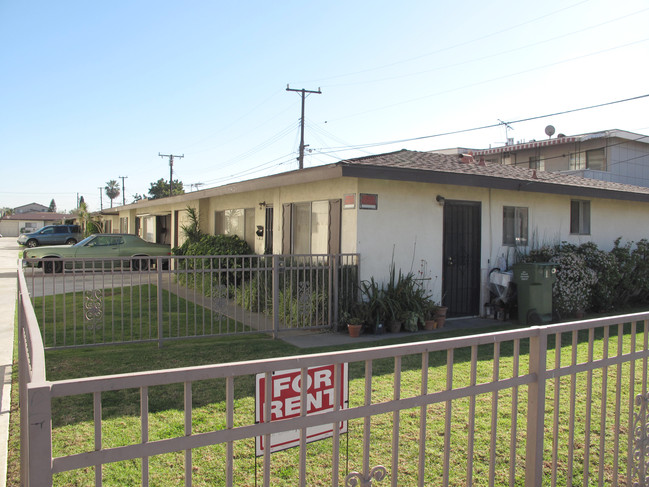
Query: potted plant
point(374, 305)
point(430, 313)
point(440, 316)
point(355, 319)
point(354, 326)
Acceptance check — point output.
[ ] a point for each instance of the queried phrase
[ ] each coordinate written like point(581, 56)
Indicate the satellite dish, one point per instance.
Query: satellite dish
point(549, 130)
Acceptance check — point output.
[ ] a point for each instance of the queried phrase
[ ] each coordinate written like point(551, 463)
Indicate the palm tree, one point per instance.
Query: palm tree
point(112, 190)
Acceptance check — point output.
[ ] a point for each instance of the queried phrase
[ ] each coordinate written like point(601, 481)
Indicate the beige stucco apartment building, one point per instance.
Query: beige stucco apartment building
point(448, 218)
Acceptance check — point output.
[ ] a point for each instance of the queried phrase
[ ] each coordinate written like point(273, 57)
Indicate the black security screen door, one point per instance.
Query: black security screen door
point(461, 276)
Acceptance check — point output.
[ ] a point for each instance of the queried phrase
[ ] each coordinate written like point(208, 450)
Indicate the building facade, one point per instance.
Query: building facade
point(448, 219)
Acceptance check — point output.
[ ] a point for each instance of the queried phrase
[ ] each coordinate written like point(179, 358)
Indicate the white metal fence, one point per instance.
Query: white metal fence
point(561, 404)
point(81, 302)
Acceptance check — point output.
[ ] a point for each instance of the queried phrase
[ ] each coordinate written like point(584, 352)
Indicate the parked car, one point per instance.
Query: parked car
point(134, 252)
point(52, 235)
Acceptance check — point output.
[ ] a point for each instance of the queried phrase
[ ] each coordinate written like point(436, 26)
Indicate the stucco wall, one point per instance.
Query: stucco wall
point(408, 226)
point(318, 191)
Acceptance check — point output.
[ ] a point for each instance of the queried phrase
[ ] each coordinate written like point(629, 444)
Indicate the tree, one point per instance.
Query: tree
point(112, 190)
point(138, 197)
point(160, 189)
point(89, 225)
point(52, 208)
point(81, 201)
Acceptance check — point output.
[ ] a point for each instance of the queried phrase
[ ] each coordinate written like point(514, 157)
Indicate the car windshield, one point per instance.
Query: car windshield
point(84, 241)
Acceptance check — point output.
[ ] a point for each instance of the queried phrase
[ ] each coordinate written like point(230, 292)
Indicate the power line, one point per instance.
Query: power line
point(499, 78)
point(330, 150)
point(489, 56)
point(483, 127)
point(461, 44)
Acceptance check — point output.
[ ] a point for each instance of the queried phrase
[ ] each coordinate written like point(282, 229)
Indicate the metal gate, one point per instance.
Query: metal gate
point(461, 273)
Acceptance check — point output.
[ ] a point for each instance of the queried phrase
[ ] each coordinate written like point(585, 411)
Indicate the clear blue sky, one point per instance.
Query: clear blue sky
point(94, 90)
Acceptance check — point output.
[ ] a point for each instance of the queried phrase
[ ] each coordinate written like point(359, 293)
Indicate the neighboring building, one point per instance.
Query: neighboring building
point(30, 208)
point(611, 155)
point(447, 218)
point(14, 225)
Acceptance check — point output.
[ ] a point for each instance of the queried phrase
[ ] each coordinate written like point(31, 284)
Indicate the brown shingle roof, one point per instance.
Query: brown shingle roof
point(449, 169)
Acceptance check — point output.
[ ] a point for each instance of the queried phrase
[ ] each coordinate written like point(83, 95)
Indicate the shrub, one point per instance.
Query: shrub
point(591, 279)
point(573, 288)
point(301, 309)
point(214, 245)
point(604, 264)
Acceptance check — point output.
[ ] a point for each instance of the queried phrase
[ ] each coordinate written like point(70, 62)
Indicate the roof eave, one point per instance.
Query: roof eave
point(301, 176)
point(483, 181)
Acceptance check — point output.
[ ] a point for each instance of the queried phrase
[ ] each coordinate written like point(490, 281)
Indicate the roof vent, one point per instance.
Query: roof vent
point(466, 158)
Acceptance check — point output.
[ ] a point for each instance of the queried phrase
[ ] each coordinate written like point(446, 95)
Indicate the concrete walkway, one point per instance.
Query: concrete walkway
point(9, 251)
point(308, 339)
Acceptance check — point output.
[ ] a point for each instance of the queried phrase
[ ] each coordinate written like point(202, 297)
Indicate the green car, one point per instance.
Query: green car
point(114, 250)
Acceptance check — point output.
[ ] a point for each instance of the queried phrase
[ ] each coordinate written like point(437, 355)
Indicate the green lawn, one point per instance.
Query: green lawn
point(128, 313)
point(73, 427)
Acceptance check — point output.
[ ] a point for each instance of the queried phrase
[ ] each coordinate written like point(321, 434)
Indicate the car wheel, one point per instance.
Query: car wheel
point(140, 263)
point(32, 242)
point(50, 266)
point(70, 241)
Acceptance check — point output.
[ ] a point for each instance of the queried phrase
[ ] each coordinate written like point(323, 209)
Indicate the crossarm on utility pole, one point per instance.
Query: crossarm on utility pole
point(303, 93)
point(171, 170)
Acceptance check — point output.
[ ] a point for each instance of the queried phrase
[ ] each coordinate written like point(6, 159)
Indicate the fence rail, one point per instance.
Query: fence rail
point(554, 405)
point(81, 302)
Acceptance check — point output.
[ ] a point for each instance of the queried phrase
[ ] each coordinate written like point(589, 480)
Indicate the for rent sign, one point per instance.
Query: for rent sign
point(285, 403)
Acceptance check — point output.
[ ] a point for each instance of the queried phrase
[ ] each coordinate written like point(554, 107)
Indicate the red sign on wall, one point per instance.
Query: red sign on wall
point(285, 403)
point(369, 201)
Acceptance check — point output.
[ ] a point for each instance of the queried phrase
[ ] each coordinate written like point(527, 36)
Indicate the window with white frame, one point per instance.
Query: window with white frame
point(576, 161)
point(237, 221)
point(591, 159)
point(310, 229)
point(515, 225)
point(595, 159)
point(580, 217)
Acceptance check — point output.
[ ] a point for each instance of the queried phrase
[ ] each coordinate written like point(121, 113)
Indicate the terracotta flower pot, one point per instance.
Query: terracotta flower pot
point(440, 316)
point(354, 330)
point(395, 326)
point(430, 325)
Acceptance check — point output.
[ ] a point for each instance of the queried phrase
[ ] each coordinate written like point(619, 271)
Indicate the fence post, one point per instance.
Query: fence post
point(275, 295)
point(159, 275)
point(334, 272)
point(536, 409)
point(39, 411)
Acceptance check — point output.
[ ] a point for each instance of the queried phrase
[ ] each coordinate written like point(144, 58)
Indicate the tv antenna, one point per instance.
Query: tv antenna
point(507, 127)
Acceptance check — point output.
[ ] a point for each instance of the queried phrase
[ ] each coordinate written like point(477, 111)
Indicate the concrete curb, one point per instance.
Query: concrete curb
point(8, 287)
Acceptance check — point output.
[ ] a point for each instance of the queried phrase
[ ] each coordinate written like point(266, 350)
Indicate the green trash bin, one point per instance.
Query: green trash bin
point(534, 287)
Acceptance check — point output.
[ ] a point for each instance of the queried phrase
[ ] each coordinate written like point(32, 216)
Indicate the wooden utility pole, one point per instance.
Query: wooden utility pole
point(303, 92)
point(123, 190)
point(171, 170)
